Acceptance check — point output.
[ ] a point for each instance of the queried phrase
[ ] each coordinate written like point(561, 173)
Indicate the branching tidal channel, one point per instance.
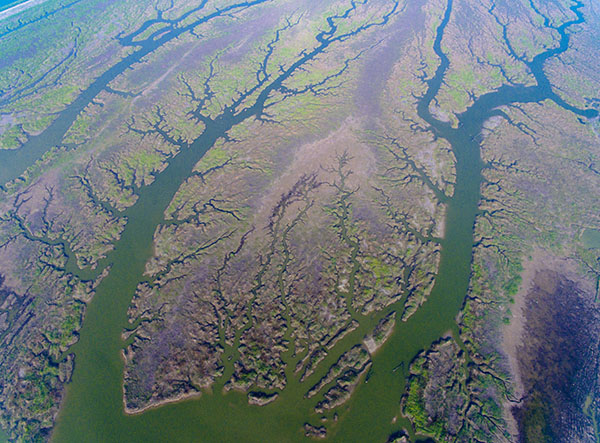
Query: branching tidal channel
point(93, 407)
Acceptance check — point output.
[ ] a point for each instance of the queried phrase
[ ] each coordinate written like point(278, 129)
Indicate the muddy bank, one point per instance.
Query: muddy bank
point(556, 360)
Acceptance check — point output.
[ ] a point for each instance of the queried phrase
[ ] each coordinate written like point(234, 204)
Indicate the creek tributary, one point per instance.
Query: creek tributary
point(93, 407)
point(14, 162)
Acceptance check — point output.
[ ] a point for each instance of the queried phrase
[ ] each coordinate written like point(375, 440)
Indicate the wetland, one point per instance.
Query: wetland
point(276, 274)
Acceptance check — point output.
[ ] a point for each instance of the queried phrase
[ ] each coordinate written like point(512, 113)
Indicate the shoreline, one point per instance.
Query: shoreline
point(13, 10)
point(158, 404)
point(512, 335)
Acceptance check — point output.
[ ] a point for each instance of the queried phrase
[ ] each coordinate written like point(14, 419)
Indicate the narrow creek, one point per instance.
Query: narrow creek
point(93, 408)
point(14, 162)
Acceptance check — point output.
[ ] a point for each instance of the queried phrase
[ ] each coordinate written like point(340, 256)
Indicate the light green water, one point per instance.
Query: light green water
point(591, 238)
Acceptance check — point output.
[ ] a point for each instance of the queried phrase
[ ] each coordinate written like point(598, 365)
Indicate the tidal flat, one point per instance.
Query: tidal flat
point(287, 220)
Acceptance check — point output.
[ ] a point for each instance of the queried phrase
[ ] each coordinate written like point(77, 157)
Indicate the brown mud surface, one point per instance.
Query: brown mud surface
point(556, 357)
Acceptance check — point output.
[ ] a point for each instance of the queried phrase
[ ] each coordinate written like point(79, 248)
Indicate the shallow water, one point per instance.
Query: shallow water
point(591, 238)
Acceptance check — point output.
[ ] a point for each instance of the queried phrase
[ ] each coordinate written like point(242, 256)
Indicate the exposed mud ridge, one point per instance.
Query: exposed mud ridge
point(557, 361)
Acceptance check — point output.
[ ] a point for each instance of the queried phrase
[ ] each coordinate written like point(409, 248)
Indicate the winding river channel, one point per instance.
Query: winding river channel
point(93, 408)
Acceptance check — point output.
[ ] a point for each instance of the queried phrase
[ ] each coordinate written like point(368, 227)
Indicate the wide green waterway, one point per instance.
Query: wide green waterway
point(93, 408)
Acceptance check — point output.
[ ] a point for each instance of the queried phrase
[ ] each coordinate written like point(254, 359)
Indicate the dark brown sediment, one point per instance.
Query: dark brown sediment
point(557, 360)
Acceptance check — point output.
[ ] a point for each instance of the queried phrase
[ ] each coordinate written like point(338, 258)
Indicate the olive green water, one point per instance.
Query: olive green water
point(591, 238)
point(93, 409)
